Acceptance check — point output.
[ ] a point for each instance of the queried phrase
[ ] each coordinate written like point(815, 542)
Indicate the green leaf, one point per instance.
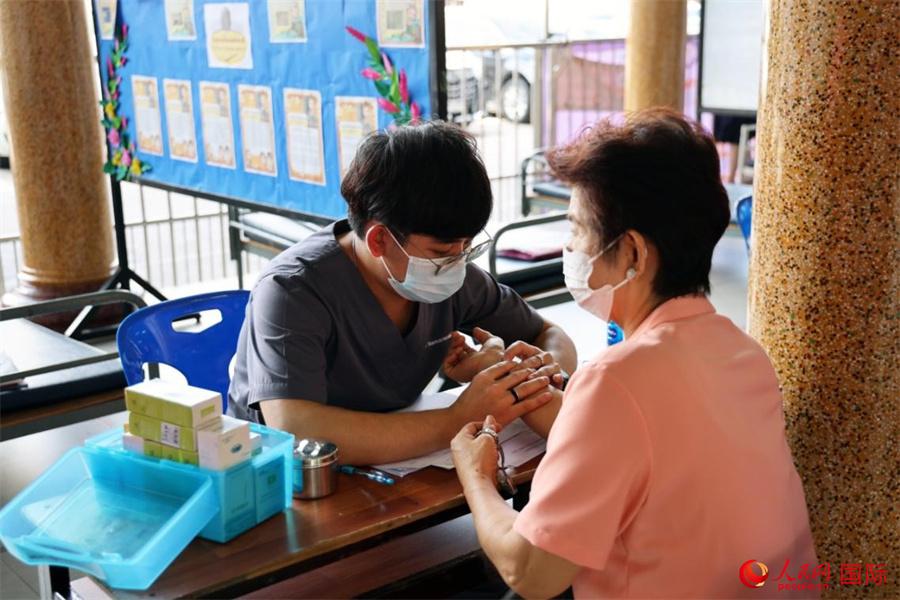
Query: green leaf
point(383, 88)
point(121, 172)
point(373, 50)
point(395, 88)
point(108, 168)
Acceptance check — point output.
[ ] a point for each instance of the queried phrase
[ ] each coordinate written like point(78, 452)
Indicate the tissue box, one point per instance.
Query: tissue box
point(223, 443)
point(155, 430)
point(182, 405)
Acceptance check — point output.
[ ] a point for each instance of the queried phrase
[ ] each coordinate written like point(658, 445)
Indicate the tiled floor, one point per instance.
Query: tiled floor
point(729, 295)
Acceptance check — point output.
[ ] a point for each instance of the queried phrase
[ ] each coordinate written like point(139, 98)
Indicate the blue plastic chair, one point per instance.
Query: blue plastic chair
point(148, 336)
point(744, 212)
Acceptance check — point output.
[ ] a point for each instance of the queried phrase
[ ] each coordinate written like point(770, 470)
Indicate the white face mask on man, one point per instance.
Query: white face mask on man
point(577, 269)
point(421, 283)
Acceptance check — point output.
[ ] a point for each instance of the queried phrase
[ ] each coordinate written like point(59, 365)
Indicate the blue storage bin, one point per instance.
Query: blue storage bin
point(117, 516)
point(246, 494)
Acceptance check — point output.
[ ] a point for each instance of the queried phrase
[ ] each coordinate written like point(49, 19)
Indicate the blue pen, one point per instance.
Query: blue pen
point(378, 477)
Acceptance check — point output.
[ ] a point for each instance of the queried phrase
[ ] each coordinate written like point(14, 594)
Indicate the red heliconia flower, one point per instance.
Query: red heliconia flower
point(388, 67)
point(124, 30)
point(109, 66)
point(370, 73)
point(356, 33)
point(404, 89)
point(388, 106)
point(414, 112)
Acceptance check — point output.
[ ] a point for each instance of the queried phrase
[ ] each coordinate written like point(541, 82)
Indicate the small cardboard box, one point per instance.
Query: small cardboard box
point(157, 450)
point(182, 405)
point(182, 456)
point(168, 434)
point(223, 443)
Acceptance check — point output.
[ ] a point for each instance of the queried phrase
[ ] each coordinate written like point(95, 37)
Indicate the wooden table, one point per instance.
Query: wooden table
point(360, 515)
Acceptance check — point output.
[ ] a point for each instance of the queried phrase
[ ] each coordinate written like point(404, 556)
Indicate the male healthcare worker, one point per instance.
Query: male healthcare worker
point(352, 323)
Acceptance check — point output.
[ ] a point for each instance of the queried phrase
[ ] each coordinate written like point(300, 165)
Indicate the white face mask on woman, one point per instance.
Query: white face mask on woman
point(577, 269)
point(421, 283)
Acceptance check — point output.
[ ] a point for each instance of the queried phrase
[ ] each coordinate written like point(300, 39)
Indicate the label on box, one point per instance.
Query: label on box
point(223, 443)
point(170, 434)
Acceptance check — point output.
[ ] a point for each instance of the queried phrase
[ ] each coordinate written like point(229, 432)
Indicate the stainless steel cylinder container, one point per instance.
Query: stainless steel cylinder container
point(315, 469)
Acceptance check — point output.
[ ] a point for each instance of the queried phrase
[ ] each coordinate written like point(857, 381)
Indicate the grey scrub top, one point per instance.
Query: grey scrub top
point(314, 331)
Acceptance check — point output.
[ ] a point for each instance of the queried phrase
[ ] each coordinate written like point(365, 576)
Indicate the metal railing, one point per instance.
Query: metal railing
point(568, 85)
point(173, 240)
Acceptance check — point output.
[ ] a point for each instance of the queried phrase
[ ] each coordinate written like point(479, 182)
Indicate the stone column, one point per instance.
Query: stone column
point(57, 149)
point(825, 269)
point(654, 54)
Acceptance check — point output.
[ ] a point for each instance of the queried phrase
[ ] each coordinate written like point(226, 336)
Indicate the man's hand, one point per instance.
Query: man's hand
point(463, 362)
point(490, 393)
point(548, 366)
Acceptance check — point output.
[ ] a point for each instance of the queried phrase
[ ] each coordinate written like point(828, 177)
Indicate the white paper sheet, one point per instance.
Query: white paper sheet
point(520, 443)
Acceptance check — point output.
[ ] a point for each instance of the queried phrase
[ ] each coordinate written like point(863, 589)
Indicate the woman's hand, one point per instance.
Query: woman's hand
point(548, 367)
point(463, 362)
point(490, 393)
point(475, 456)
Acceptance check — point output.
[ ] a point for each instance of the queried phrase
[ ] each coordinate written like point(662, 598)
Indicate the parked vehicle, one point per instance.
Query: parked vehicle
point(474, 25)
point(516, 78)
point(464, 79)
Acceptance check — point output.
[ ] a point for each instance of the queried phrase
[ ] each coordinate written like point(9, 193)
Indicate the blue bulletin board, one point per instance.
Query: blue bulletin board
point(274, 77)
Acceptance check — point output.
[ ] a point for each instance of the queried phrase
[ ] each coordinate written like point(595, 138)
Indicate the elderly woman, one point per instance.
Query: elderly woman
point(667, 472)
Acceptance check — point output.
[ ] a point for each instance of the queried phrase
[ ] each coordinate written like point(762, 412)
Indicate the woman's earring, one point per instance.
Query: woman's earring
point(630, 273)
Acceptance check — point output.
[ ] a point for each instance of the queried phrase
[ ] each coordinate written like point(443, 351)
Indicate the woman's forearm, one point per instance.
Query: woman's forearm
point(494, 520)
point(527, 569)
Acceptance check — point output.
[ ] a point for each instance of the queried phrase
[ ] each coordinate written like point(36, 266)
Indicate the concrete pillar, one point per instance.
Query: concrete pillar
point(57, 149)
point(825, 269)
point(654, 54)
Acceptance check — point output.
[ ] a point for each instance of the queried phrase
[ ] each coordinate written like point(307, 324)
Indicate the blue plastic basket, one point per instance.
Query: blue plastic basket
point(119, 517)
point(246, 494)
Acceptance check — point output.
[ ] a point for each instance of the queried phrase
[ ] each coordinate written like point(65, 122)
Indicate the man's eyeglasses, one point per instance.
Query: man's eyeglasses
point(467, 255)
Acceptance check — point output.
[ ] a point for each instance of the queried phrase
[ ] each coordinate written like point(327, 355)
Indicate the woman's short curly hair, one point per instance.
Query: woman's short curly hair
point(657, 174)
